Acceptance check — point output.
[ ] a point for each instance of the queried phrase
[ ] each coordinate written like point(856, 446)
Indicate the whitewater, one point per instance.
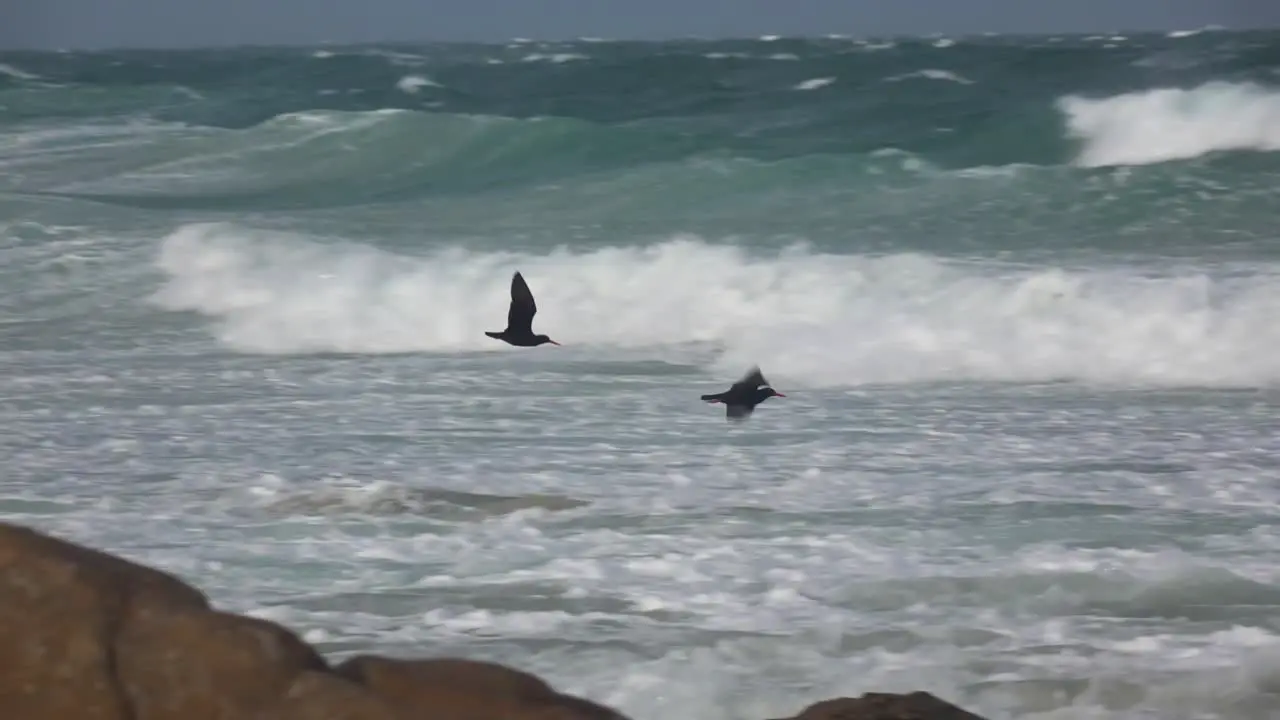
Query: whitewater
point(1020, 292)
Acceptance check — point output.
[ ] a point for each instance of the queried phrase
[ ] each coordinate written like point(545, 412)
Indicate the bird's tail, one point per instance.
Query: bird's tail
point(716, 397)
point(491, 334)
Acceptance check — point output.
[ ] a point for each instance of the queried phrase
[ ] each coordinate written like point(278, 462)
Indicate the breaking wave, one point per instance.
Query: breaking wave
point(1166, 124)
point(817, 319)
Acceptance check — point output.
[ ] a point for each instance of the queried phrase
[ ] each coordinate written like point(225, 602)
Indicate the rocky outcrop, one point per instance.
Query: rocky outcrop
point(85, 635)
point(207, 665)
point(885, 706)
point(464, 689)
point(62, 608)
point(324, 696)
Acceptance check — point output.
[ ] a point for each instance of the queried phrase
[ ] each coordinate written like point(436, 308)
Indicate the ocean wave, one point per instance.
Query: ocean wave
point(328, 159)
point(337, 159)
point(1163, 124)
point(931, 74)
point(331, 158)
point(811, 319)
point(16, 73)
point(961, 102)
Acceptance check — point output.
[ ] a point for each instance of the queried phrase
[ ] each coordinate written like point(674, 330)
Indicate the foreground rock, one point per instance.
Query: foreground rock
point(465, 689)
point(62, 607)
point(85, 635)
point(886, 706)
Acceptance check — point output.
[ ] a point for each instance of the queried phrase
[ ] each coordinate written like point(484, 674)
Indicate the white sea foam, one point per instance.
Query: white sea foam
point(16, 73)
point(812, 318)
point(413, 83)
point(1165, 124)
point(554, 58)
point(814, 83)
point(932, 74)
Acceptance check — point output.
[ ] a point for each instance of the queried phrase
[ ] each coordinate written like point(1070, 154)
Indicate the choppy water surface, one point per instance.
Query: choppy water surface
point(1020, 293)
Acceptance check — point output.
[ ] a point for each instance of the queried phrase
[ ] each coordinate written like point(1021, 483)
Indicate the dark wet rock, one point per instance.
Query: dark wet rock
point(394, 677)
point(324, 696)
point(456, 689)
point(886, 706)
point(208, 665)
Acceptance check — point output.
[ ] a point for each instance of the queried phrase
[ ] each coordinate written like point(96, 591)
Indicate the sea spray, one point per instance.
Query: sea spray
point(825, 319)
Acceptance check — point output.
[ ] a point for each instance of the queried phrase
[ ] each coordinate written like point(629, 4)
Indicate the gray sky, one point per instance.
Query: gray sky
point(178, 23)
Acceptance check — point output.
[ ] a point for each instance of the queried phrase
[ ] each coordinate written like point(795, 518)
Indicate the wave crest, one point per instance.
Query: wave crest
point(334, 158)
point(1165, 124)
point(811, 319)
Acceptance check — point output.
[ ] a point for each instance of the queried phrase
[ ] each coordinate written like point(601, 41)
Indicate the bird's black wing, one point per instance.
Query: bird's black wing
point(523, 308)
point(738, 412)
point(752, 380)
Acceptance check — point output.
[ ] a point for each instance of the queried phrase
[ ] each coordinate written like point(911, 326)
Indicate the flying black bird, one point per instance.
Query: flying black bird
point(741, 399)
point(520, 317)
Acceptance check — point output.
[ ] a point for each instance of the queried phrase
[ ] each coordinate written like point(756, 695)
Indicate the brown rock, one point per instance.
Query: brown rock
point(60, 607)
point(396, 677)
point(886, 706)
point(324, 696)
point(572, 707)
point(129, 579)
point(455, 689)
point(207, 665)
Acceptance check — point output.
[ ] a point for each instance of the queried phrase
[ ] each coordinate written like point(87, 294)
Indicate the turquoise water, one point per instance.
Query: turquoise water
point(1020, 294)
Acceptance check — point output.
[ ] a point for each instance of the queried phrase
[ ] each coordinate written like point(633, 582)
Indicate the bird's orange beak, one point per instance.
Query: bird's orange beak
point(775, 392)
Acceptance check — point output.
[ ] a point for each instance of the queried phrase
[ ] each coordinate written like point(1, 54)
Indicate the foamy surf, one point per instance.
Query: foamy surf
point(17, 73)
point(1104, 546)
point(931, 74)
point(813, 318)
point(1158, 125)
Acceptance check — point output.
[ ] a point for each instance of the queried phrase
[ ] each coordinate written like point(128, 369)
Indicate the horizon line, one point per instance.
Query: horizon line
point(594, 39)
